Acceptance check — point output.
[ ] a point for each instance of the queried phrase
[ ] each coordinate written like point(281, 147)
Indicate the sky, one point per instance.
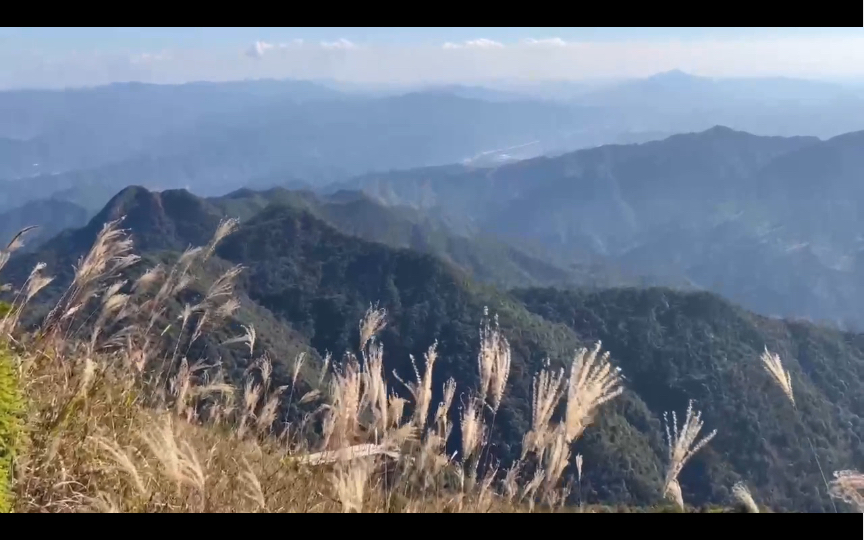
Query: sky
point(64, 57)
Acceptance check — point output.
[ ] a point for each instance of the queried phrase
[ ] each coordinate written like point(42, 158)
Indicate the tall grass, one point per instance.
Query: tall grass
point(683, 445)
point(119, 418)
point(11, 405)
point(774, 366)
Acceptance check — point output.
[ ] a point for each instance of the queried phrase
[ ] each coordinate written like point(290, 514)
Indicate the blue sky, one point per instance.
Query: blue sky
point(62, 57)
point(113, 38)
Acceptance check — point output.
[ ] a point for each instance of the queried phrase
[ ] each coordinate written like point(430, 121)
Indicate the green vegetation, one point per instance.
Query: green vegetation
point(11, 407)
point(121, 421)
point(305, 284)
point(52, 217)
point(484, 257)
point(675, 346)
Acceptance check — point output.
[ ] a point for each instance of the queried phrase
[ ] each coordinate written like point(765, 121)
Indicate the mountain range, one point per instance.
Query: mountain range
point(687, 223)
point(214, 138)
point(305, 284)
point(769, 222)
point(83, 145)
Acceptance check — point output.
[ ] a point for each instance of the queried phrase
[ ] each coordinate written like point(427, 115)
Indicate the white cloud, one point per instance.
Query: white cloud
point(554, 42)
point(258, 49)
point(480, 43)
point(484, 43)
point(340, 43)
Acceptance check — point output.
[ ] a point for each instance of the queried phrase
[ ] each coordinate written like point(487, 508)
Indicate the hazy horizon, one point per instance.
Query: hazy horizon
point(76, 57)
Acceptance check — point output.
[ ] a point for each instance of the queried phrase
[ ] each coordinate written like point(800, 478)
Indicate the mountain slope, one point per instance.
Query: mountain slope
point(674, 347)
point(54, 131)
point(311, 283)
point(484, 257)
point(787, 243)
point(769, 222)
point(681, 179)
point(213, 150)
point(690, 166)
point(50, 216)
point(213, 137)
point(319, 282)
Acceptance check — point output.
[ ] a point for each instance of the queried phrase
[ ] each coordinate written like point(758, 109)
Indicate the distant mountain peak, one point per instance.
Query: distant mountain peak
point(719, 130)
point(722, 129)
point(119, 204)
point(674, 73)
point(171, 219)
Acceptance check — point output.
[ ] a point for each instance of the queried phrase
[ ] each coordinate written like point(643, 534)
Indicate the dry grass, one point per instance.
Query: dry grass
point(745, 498)
point(121, 420)
point(683, 445)
point(774, 366)
point(848, 486)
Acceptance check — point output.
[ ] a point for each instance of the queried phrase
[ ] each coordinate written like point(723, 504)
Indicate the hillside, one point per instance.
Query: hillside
point(213, 138)
point(128, 432)
point(636, 181)
point(675, 347)
point(486, 258)
point(303, 276)
point(51, 216)
point(320, 282)
point(55, 131)
point(768, 222)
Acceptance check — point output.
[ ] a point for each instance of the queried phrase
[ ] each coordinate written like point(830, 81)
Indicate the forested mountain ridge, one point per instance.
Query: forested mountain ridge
point(311, 283)
point(768, 222)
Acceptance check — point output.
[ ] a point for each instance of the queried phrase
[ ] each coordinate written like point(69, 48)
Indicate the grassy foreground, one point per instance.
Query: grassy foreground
point(101, 410)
